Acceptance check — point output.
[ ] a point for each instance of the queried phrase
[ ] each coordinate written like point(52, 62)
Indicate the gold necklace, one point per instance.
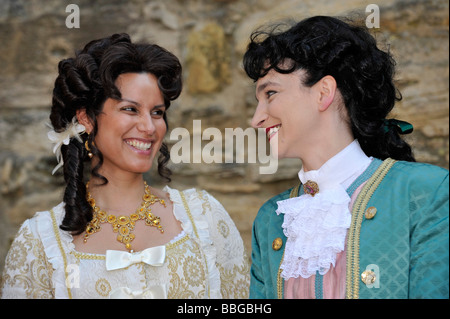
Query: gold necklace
point(123, 224)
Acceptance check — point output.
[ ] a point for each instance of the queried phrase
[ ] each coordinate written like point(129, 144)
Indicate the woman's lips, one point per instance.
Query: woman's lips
point(139, 145)
point(272, 130)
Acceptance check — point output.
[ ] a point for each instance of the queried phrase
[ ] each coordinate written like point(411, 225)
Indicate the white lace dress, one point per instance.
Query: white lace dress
point(206, 260)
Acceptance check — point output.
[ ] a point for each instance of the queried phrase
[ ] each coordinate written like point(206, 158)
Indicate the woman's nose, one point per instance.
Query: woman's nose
point(146, 125)
point(259, 117)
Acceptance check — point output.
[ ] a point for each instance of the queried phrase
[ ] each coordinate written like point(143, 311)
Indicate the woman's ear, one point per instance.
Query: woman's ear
point(327, 91)
point(84, 119)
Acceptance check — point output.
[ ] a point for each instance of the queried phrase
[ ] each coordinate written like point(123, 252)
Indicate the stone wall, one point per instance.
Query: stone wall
point(209, 36)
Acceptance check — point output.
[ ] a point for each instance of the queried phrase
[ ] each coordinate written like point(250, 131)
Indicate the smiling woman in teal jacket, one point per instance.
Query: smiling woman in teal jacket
point(366, 220)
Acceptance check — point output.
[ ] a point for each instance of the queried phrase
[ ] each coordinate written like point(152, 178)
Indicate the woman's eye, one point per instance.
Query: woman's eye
point(129, 109)
point(158, 113)
point(270, 93)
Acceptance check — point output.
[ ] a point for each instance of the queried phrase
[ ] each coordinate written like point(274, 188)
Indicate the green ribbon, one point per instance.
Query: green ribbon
point(402, 127)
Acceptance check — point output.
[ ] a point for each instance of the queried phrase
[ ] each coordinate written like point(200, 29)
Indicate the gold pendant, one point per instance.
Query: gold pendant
point(123, 225)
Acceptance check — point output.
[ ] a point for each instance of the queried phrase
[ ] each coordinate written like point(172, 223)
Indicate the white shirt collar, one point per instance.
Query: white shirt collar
point(343, 168)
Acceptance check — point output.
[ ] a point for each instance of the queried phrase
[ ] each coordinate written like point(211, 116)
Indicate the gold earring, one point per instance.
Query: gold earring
point(87, 148)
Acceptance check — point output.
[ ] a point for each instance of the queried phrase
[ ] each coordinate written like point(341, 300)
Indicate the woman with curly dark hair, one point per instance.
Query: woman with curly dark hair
point(366, 220)
point(109, 110)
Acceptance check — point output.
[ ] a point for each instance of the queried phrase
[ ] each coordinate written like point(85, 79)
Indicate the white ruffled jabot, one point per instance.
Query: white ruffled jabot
point(316, 226)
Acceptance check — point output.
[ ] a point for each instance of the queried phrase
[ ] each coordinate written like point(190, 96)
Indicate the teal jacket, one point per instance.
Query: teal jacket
point(405, 243)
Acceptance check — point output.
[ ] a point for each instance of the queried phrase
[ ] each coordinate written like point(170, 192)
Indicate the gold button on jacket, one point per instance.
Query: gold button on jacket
point(368, 277)
point(370, 212)
point(277, 243)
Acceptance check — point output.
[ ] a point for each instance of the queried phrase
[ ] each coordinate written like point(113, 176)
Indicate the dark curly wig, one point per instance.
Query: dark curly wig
point(85, 82)
point(364, 74)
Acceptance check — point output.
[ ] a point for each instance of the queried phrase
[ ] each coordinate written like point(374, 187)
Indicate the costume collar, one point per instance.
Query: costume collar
point(343, 168)
point(316, 224)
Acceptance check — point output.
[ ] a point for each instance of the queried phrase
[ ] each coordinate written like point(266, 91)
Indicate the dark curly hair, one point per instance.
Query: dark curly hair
point(364, 74)
point(85, 82)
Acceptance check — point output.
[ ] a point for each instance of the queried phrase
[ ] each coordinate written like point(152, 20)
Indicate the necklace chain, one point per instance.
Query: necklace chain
point(124, 224)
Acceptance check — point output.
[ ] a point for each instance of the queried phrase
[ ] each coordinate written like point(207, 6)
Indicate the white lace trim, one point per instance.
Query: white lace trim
point(316, 226)
point(46, 230)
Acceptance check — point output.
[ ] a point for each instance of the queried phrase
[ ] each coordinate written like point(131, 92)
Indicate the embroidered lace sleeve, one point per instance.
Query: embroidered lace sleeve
point(208, 221)
point(232, 260)
point(27, 272)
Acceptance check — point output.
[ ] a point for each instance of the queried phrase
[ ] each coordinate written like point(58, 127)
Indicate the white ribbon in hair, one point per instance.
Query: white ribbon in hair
point(154, 292)
point(154, 256)
point(73, 129)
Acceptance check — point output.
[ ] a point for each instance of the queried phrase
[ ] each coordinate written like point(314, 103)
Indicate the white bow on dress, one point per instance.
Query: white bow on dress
point(154, 256)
